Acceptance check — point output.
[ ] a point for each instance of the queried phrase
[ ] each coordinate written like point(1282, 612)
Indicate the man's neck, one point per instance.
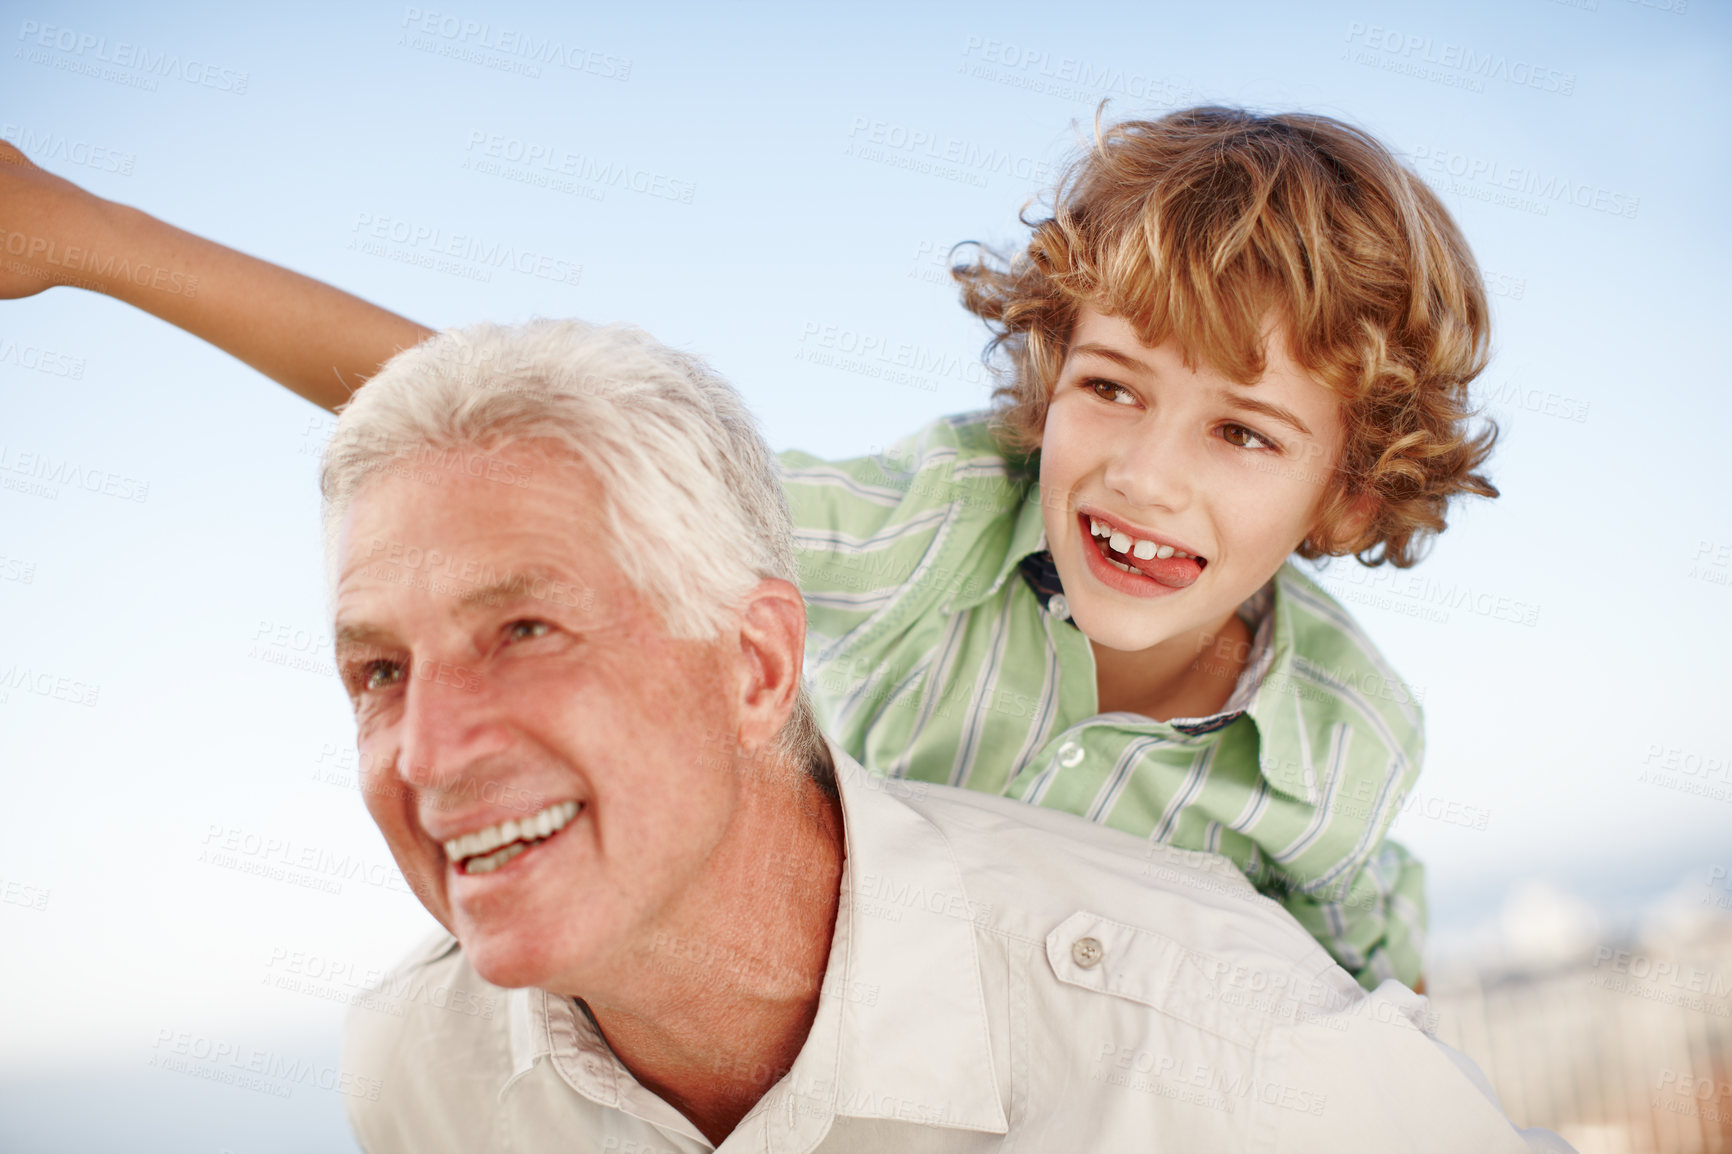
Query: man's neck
point(726, 993)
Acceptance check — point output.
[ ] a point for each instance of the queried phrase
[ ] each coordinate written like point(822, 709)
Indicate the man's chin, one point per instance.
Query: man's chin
point(513, 959)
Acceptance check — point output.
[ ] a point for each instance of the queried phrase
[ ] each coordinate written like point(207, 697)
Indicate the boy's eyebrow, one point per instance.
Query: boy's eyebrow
point(1114, 355)
point(1251, 404)
point(1268, 410)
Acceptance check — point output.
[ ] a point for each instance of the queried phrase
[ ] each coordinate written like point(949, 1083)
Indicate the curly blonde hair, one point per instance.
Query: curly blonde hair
point(1201, 225)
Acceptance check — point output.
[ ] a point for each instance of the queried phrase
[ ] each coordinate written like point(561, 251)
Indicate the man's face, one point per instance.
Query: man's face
point(501, 669)
point(1186, 461)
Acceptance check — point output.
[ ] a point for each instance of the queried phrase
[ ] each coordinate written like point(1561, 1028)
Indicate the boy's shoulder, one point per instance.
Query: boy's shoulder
point(955, 460)
point(1325, 660)
point(962, 445)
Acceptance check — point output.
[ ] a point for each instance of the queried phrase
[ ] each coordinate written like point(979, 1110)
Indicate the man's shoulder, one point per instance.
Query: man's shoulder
point(1029, 868)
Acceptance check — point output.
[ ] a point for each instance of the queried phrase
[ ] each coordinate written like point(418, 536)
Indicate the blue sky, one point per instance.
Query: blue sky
point(759, 185)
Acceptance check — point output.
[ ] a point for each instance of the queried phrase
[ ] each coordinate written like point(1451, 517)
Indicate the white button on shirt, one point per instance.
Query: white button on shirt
point(1000, 976)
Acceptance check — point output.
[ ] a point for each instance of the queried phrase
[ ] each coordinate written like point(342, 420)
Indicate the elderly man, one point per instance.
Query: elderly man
point(566, 619)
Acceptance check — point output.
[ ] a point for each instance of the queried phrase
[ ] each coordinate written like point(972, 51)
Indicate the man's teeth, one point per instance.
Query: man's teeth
point(486, 865)
point(1122, 542)
point(513, 834)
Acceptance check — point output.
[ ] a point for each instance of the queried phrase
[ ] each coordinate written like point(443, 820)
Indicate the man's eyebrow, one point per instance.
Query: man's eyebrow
point(368, 636)
point(1124, 360)
point(1287, 416)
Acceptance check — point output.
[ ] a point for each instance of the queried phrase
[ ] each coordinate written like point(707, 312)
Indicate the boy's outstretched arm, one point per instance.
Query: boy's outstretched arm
point(311, 338)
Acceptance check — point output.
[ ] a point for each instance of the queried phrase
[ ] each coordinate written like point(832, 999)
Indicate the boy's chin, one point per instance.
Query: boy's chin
point(1118, 630)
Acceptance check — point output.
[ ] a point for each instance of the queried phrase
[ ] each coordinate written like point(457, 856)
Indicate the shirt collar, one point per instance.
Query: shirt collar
point(901, 1030)
point(1273, 690)
point(915, 1036)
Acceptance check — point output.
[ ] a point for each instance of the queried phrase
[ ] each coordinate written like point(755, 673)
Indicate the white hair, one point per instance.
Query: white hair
point(676, 454)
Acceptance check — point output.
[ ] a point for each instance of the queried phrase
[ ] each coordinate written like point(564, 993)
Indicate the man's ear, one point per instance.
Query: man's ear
point(772, 649)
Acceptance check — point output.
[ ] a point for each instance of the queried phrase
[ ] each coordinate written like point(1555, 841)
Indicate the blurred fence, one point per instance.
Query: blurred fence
point(1623, 1047)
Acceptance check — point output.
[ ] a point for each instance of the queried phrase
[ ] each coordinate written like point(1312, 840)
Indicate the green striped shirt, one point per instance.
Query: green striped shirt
point(931, 657)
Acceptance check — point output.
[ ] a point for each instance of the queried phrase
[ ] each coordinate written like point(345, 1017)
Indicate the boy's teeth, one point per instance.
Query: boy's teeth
point(510, 834)
point(1122, 542)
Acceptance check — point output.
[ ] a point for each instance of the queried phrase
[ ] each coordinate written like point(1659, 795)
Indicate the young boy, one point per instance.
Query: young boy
point(1237, 338)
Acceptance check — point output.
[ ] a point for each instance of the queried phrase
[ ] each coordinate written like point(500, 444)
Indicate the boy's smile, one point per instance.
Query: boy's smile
point(1170, 492)
point(1151, 563)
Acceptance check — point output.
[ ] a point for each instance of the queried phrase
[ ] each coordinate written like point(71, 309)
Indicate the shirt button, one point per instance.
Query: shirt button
point(1086, 952)
point(1058, 606)
point(1070, 755)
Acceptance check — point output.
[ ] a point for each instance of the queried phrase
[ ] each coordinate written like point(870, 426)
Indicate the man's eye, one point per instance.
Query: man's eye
point(1111, 391)
point(1244, 438)
point(526, 630)
point(377, 675)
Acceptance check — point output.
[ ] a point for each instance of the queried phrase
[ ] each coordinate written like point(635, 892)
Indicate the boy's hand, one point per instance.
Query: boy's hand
point(318, 341)
point(40, 214)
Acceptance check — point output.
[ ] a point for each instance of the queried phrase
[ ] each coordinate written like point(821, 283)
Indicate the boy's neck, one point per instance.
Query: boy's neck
point(1191, 675)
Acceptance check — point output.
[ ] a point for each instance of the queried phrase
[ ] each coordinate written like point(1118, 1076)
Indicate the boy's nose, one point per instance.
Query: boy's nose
point(1152, 466)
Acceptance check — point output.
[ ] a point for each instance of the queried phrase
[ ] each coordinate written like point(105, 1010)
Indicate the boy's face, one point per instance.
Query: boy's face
point(1143, 456)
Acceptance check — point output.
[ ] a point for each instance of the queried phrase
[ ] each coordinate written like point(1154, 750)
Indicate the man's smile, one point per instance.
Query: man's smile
point(485, 850)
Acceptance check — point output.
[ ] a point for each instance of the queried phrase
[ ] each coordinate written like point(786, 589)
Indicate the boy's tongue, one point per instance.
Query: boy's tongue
point(1175, 572)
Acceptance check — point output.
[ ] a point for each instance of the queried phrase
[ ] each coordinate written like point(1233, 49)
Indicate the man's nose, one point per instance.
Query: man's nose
point(449, 722)
point(1154, 464)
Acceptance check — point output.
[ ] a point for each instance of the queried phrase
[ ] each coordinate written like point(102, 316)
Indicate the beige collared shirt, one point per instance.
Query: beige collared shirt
point(1001, 978)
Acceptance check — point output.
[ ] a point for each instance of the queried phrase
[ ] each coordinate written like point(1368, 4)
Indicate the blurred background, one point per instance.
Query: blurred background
point(190, 890)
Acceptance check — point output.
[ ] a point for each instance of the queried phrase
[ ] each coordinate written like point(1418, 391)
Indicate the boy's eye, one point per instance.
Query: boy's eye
point(1110, 391)
point(1244, 438)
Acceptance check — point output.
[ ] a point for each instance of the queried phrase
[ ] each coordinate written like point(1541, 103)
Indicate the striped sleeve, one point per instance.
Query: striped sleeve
point(868, 530)
point(1377, 930)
